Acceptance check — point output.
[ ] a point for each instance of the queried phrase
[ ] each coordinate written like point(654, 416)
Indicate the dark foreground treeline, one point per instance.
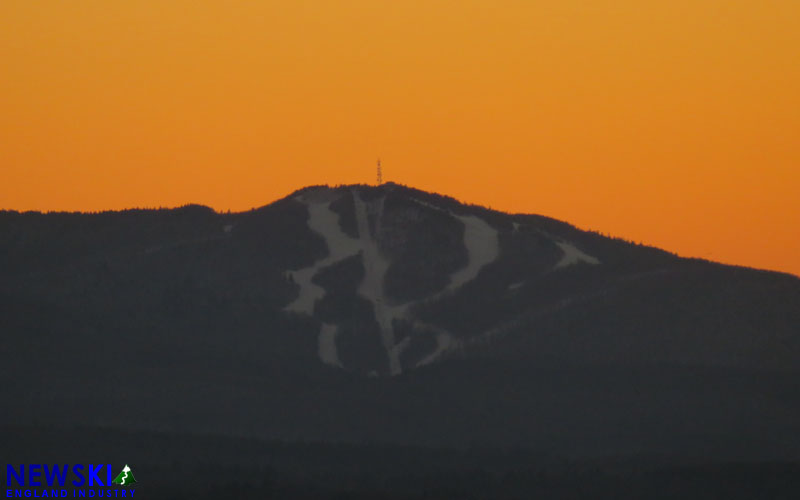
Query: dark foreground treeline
point(198, 467)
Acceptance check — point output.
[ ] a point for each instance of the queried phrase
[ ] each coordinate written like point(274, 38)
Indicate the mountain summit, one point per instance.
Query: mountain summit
point(389, 314)
point(410, 278)
point(394, 253)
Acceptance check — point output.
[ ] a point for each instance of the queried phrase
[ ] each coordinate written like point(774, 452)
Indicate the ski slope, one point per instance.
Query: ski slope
point(480, 241)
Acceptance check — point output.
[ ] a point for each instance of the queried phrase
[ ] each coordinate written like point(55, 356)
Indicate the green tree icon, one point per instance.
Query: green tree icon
point(125, 477)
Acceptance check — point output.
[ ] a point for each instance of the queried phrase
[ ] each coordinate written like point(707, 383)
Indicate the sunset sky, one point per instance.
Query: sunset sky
point(673, 123)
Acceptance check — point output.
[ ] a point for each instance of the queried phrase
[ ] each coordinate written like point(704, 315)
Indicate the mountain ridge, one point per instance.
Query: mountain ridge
point(177, 319)
point(546, 220)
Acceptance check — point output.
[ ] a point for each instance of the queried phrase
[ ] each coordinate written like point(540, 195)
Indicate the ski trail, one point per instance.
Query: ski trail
point(444, 342)
point(371, 287)
point(481, 241)
point(573, 256)
point(482, 248)
point(327, 345)
point(325, 223)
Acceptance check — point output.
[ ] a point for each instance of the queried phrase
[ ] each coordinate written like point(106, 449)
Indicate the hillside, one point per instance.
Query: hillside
point(391, 315)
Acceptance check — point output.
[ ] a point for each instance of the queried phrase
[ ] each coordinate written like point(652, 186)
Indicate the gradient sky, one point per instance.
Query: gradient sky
point(675, 123)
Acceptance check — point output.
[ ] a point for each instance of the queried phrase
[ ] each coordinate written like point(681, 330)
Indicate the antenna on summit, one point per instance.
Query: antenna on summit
point(380, 173)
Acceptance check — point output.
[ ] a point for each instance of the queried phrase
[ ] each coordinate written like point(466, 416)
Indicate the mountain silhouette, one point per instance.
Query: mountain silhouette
point(387, 314)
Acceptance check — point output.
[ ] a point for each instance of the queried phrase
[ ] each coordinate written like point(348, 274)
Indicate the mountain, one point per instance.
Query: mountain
point(386, 314)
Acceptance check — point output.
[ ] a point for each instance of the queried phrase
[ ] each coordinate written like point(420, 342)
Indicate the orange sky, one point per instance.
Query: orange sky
point(672, 123)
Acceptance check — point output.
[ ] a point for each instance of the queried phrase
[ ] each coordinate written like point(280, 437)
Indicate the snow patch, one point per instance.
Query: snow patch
point(444, 342)
point(573, 256)
point(482, 248)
